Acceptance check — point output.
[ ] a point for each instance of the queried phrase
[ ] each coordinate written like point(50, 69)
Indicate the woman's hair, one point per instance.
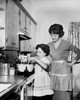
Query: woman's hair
point(56, 29)
point(44, 47)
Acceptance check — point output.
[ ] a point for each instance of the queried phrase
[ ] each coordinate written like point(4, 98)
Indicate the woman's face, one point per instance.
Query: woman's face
point(55, 37)
point(40, 53)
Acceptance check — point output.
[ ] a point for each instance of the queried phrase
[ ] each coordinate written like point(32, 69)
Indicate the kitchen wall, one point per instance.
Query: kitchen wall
point(29, 7)
point(45, 20)
point(47, 12)
point(62, 17)
point(62, 13)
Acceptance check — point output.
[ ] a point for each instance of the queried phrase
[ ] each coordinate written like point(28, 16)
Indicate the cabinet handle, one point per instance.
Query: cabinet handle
point(1, 28)
point(2, 9)
point(13, 43)
point(25, 28)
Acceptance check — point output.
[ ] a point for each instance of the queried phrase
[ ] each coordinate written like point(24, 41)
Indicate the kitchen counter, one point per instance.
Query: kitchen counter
point(13, 81)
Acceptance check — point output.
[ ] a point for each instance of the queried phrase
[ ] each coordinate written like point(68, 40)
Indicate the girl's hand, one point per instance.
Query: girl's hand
point(32, 59)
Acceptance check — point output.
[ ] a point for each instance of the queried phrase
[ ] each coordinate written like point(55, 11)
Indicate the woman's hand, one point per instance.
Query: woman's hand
point(69, 64)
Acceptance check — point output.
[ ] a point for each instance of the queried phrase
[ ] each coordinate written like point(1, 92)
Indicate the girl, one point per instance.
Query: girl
point(42, 89)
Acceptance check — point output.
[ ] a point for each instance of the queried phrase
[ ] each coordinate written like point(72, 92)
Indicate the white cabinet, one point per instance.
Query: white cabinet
point(14, 18)
point(12, 24)
point(2, 22)
point(9, 19)
point(22, 19)
point(28, 45)
point(29, 29)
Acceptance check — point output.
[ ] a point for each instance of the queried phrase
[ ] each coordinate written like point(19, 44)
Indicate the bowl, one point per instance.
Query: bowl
point(21, 67)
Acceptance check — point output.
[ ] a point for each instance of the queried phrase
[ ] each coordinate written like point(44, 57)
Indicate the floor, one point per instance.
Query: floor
point(30, 98)
point(77, 97)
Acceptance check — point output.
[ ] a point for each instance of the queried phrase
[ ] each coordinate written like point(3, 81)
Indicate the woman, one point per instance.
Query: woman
point(61, 78)
point(42, 89)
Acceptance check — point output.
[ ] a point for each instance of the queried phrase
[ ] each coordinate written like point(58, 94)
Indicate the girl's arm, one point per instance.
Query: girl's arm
point(40, 63)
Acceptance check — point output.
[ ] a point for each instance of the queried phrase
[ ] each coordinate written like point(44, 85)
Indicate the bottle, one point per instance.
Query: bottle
point(26, 73)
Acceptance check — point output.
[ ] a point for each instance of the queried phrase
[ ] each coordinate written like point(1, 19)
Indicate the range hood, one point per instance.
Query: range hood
point(23, 35)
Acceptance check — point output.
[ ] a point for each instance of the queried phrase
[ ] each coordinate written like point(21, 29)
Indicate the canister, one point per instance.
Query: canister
point(4, 68)
point(12, 71)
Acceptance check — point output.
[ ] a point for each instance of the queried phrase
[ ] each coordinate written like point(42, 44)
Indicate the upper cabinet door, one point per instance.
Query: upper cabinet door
point(2, 22)
point(22, 19)
point(12, 25)
point(2, 28)
point(28, 25)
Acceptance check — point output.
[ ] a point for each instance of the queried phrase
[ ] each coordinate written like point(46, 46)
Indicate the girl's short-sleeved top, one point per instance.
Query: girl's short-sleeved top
point(38, 68)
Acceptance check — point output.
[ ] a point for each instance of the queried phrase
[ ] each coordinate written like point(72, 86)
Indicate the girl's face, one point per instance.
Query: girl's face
point(55, 37)
point(40, 53)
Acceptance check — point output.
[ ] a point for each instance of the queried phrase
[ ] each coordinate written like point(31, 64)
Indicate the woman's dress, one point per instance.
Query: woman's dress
point(61, 75)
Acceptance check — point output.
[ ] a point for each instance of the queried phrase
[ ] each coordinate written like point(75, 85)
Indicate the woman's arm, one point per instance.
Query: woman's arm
point(77, 52)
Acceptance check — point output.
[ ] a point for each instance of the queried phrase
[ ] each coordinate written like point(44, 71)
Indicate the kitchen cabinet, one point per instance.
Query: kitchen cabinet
point(10, 16)
point(2, 22)
point(28, 24)
point(31, 32)
point(22, 19)
point(25, 28)
point(25, 44)
point(29, 29)
point(14, 19)
point(12, 25)
point(9, 27)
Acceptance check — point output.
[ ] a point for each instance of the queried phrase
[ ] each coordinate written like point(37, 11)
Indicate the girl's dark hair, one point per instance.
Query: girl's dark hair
point(56, 29)
point(44, 47)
